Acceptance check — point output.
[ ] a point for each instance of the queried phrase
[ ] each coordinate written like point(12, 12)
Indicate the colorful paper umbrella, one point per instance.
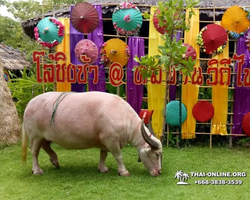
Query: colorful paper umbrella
point(203, 111)
point(246, 124)
point(190, 51)
point(160, 29)
point(173, 113)
point(114, 50)
point(49, 32)
point(212, 39)
point(88, 48)
point(127, 19)
point(236, 21)
point(84, 17)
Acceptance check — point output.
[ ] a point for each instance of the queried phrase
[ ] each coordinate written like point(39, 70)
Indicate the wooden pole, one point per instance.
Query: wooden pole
point(126, 41)
point(211, 137)
point(54, 62)
point(232, 108)
point(42, 56)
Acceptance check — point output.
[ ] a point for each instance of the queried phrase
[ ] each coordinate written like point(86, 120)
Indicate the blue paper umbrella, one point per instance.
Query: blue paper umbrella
point(127, 19)
point(49, 32)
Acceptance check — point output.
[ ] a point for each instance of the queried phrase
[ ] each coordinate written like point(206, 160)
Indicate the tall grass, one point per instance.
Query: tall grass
point(78, 177)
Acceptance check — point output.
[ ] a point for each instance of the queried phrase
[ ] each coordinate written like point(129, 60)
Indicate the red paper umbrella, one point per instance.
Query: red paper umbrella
point(156, 23)
point(246, 124)
point(160, 29)
point(203, 111)
point(190, 51)
point(212, 39)
point(88, 48)
point(84, 17)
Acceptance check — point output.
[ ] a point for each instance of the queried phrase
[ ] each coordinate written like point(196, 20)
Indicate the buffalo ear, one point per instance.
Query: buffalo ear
point(153, 144)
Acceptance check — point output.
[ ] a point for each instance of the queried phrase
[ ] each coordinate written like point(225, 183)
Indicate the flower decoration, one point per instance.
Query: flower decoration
point(103, 53)
point(40, 29)
point(199, 39)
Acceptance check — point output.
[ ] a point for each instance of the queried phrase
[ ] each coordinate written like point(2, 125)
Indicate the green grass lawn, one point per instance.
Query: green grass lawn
point(78, 177)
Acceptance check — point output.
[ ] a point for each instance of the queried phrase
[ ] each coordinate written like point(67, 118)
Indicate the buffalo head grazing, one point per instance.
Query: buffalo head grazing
point(151, 153)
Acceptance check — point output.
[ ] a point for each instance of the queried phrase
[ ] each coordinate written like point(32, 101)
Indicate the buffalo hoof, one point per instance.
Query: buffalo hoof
point(37, 171)
point(55, 163)
point(124, 173)
point(103, 170)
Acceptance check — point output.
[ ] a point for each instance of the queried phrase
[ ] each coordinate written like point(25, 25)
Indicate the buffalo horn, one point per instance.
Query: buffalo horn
point(150, 128)
point(147, 138)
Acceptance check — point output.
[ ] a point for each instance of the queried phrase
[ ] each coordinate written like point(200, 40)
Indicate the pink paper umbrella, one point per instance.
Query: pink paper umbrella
point(190, 52)
point(88, 48)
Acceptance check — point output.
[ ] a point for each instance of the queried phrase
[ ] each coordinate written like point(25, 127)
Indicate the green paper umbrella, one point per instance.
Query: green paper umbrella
point(173, 113)
point(49, 32)
point(127, 19)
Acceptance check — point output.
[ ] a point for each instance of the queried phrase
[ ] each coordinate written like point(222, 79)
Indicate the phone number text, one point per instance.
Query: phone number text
point(219, 182)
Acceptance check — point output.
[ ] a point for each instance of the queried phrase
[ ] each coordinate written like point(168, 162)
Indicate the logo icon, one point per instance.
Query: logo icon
point(182, 177)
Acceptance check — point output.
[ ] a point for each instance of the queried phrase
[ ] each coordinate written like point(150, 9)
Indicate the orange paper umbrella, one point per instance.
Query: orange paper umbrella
point(114, 50)
point(84, 17)
point(236, 21)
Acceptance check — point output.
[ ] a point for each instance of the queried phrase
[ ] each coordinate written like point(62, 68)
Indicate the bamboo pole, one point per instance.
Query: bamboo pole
point(118, 87)
point(54, 62)
point(211, 136)
point(126, 41)
point(43, 56)
point(232, 108)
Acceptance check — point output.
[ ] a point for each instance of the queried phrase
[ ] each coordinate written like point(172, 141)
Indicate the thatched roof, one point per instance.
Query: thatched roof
point(108, 6)
point(12, 59)
point(10, 127)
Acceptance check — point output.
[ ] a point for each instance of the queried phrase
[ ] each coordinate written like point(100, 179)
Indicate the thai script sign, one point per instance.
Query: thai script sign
point(60, 72)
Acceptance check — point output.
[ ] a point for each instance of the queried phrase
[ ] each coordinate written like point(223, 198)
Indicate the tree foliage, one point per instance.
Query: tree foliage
point(25, 9)
point(11, 33)
point(172, 17)
point(171, 55)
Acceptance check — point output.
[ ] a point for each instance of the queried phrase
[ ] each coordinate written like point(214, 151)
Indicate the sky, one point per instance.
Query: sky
point(4, 12)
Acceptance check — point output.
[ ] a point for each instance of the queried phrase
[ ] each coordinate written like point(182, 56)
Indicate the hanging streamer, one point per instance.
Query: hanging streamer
point(241, 94)
point(190, 91)
point(220, 98)
point(156, 92)
point(172, 88)
point(75, 37)
point(97, 37)
point(64, 46)
point(134, 92)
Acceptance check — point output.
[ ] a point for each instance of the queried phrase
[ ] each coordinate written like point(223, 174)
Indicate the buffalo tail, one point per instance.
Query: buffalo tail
point(24, 144)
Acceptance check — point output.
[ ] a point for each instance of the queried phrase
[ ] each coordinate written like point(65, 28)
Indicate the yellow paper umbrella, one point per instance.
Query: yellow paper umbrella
point(236, 21)
point(114, 50)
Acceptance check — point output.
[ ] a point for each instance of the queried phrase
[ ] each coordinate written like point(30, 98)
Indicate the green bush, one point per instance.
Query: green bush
point(26, 87)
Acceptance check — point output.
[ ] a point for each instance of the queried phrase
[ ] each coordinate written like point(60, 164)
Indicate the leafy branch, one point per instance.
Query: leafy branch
point(172, 17)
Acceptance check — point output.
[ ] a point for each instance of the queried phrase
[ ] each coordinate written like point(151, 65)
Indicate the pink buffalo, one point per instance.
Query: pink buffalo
point(87, 120)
